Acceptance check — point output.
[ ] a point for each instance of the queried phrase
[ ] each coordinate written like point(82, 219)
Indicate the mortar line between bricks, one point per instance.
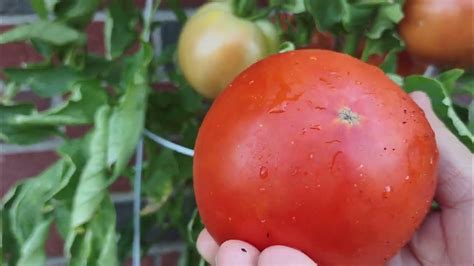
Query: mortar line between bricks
point(8, 149)
point(122, 197)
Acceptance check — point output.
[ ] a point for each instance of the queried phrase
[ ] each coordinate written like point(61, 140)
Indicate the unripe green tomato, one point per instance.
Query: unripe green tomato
point(215, 46)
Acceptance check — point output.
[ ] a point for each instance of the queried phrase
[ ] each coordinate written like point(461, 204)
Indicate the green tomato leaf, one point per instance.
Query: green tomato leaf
point(21, 134)
point(119, 27)
point(76, 12)
point(328, 15)
point(466, 83)
point(96, 242)
point(158, 181)
point(471, 117)
point(93, 181)
point(27, 208)
point(388, 16)
point(45, 81)
point(86, 97)
point(389, 42)
point(43, 7)
point(33, 250)
point(291, 6)
point(449, 79)
point(55, 33)
point(43, 48)
point(441, 102)
point(127, 119)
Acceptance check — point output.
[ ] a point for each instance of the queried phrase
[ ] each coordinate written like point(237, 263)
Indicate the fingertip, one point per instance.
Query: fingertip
point(238, 253)
point(281, 255)
point(420, 98)
point(207, 246)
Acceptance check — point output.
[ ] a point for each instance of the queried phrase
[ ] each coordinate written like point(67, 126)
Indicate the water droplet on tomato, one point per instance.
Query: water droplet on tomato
point(263, 172)
point(313, 58)
point(229, 218)
point(251, 82)
point(315, 127)
point(294, 172)
point(262, 189)
point(311, 156)
point(292, 142)
point(263, 221)
point(407, 177)
point(358, 82)
point(293, 218)
point(386, 191)
point(281, 108)
point(306, 187)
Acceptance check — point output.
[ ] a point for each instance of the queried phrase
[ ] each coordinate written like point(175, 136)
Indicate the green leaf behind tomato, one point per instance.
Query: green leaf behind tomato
point(438, 89)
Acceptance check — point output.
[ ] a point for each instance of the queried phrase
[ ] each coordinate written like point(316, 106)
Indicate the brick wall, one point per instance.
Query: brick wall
point(19, 162)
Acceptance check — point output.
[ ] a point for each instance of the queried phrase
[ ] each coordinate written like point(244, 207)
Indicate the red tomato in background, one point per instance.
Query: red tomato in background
point(439, 31)
point(318, 151)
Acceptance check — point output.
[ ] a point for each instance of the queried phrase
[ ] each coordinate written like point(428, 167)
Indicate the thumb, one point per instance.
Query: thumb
point(281, 255)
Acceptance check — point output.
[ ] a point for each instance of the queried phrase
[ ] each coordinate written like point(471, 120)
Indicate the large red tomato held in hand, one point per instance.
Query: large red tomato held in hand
point(318, 151)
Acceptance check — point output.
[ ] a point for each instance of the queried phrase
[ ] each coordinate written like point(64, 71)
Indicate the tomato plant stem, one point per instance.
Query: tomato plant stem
point(350, 44)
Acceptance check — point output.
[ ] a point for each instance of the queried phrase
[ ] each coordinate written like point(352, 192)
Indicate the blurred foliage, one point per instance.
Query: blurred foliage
point(116, 94)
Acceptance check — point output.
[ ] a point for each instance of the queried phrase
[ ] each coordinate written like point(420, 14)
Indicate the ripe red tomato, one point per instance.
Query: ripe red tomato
point(319, 151)
point(439, 31)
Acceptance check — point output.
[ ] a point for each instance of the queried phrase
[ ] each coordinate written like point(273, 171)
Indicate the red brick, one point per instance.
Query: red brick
point(77, 131)
point(31, 97)
point(15, 167)
point(54, 244)
point(145, 261)
point(14, 54)
point(95, 37)
point(170, 258)
point(121, 185)
point(163, 86)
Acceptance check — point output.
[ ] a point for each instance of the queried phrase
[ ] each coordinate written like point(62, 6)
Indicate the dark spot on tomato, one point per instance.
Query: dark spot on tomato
point(405, 111)
point(404, 122)
point(393, 149)
point(243, 250)
point(268, 235)
point(384, 148)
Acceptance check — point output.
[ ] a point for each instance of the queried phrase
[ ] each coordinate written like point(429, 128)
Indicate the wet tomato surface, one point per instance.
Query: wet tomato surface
point(318, 151)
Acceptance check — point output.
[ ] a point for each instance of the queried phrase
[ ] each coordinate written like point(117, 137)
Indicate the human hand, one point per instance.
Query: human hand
point(240, 253)
point(445, 238)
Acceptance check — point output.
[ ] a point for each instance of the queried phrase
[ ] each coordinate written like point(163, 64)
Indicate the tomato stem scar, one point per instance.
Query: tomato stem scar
point(347, 116)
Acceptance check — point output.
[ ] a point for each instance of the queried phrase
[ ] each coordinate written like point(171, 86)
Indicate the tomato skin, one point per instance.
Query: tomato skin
point(438, 31)
point(215, 46)
point(274, 163)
